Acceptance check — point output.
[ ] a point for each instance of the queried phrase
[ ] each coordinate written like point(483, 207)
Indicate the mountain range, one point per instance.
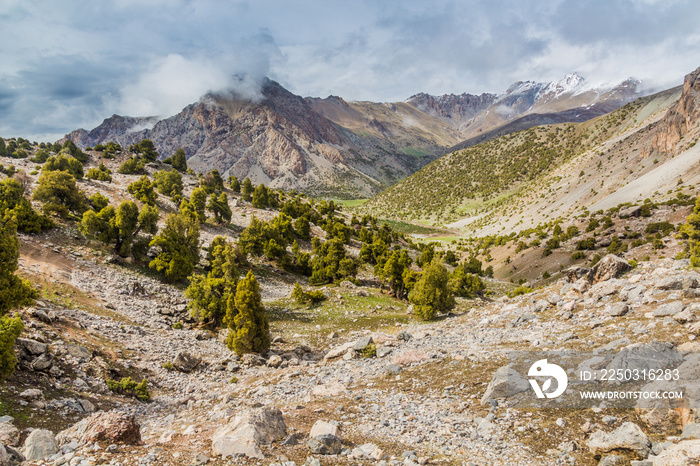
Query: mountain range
point(331, 147)
point(644, 150)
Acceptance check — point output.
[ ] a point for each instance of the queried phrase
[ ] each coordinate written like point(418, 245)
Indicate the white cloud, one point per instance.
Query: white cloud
point(169, 84)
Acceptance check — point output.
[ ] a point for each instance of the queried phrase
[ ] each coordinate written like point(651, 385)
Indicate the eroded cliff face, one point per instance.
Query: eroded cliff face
point(679, 128)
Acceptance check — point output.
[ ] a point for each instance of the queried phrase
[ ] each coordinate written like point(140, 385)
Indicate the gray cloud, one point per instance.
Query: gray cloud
point(70, 64)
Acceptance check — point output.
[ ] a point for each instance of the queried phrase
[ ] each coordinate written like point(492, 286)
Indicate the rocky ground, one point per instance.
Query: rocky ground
point(430, 394)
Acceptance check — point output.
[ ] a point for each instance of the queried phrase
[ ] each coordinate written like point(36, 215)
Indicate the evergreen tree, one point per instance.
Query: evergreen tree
point(69, 148)
point(198, 199)
point(431, 294)
point(209, 295)
point(14, 293)
point(253, 238)
point(235, 184)
point(212, 182)
point(392, 271)
point(142, 189)
point(179, 248)
point(13, 203)
point(465, 284)
point(247, 189)
point(260, 196)
point(3, 148)
point(218, 205)
point(691, 231)
point(168, 183)
point(302, 228)
point(249, 330)
point(147, 150)
point(65, 163)
point(179, 160)
point(59, 193)
point(120, 227)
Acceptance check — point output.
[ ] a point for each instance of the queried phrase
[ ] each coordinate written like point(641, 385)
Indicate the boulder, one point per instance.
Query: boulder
point(79, 352)
point(618, 309)
point(334, 389)
point(242, 435)
point(362, 343)
point(40, 444)
point(32, 347)
point(40, 314)
point(323, 428)
point(32, 393)
point(670, 283)
point(610, 266)
point(9, 434)
point(338, 351)
point(325, 445)
point(274, 361)
point(574, 274)
point(506, 382)
point(629, 437)
point(185, 362)
point(634, 211)
point(685, 453)
point(42, 363)
point(691, 430)
point(108, 427)
point(252, 359)
point(669, 309)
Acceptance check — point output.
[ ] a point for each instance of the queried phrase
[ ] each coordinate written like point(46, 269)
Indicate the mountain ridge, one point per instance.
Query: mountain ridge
point(335, 148)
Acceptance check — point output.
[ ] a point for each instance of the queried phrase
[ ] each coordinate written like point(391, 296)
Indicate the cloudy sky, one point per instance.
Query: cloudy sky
point(71, 63)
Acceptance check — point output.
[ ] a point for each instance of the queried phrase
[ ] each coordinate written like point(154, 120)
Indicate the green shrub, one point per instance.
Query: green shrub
point(13, 203)
point(168, 366)
point(578, 255)
point(132, 166)
point(177, 326)
point(127, 386)
point(101, 173)
point(369, 351)
point(521, 290)
point(306, 297)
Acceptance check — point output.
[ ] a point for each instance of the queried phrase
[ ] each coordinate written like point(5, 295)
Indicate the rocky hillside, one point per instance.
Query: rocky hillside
point(356, 379)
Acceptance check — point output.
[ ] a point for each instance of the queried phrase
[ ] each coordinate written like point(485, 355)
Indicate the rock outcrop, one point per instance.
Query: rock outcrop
point(682, 118)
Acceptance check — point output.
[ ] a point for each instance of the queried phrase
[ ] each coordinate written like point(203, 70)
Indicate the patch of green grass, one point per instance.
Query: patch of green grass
point(415, 152)
point(352, 313)
point(350, 202)
point(410, 228)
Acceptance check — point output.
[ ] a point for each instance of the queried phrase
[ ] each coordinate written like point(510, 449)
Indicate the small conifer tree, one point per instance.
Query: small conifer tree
point(249, 330)
point(431, 294)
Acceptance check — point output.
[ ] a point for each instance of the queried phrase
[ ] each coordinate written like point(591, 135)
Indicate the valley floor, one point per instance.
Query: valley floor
point(419, 401)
